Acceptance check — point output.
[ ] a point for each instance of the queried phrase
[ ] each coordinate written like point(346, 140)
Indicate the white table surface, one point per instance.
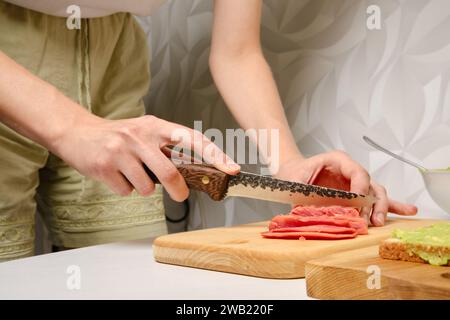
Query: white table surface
point(127, 270)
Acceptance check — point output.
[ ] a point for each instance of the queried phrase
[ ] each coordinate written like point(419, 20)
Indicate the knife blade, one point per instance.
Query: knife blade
point(255, 186)
point(219, 185)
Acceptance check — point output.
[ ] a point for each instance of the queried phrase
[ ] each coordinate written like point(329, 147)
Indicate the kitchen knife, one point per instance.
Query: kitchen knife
point(219, 185)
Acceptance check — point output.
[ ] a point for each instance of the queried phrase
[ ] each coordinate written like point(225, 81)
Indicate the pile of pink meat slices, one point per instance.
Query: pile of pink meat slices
point(317, 223)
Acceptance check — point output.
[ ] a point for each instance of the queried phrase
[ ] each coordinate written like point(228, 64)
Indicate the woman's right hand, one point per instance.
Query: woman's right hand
point(114, 151)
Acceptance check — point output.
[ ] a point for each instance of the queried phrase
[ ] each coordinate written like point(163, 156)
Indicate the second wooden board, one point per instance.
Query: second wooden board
point(242, 250)
point(362, 274)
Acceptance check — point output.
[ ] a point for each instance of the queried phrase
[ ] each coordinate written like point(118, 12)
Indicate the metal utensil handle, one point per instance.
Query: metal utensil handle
point(394, 155)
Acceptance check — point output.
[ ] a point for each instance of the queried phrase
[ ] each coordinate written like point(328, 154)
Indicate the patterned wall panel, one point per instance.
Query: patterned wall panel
point(338, 81)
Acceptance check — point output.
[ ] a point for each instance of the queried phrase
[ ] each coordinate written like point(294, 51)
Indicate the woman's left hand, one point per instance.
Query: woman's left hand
point(339, 171)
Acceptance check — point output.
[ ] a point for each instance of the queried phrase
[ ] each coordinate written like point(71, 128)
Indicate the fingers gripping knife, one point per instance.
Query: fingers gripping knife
point(219, 185)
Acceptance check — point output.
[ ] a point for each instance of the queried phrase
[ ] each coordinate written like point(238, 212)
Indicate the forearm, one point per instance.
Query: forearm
point(249, 90)
point(33, 107)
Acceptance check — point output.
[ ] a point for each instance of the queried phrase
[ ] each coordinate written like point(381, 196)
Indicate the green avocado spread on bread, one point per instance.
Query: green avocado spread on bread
point(432, 243)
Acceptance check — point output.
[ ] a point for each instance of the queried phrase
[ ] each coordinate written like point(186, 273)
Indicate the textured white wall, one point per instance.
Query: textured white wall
point(338, 81)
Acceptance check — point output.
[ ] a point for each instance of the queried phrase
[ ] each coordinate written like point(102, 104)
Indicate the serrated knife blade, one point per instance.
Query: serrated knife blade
point(255, 186)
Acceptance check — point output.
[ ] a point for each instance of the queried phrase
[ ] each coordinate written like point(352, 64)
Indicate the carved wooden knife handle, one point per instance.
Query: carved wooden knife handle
point(201, 177)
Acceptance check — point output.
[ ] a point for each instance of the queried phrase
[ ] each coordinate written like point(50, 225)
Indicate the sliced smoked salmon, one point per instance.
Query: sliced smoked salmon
point(320, 223)
point(331, 211)
point(317, 228)
point(308, 235)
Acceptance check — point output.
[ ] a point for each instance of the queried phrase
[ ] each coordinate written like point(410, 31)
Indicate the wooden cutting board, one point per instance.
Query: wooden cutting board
point(242, 250)
point(354, 275)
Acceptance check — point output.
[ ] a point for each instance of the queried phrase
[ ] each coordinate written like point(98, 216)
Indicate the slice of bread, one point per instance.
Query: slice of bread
point(394, 249)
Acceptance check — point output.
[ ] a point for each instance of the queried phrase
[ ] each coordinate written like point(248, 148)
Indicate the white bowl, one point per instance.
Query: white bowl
point(437, 183)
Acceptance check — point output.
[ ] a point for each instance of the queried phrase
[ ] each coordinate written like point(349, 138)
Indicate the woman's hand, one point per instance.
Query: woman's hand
point(114, 151)
point(337, 170)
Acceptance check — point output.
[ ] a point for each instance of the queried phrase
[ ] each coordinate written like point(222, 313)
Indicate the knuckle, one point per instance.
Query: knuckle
point(359, 170)
point(151, 120)
point(382, 189)
point(114, 145)
point(130, 130)
point(121, 189)
point(365, 173)
point(341, 153)
point(125, 191)
point(155, 126)
point(101, 166)
point(147, 189)
point(150, 117)
point(170, 175)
